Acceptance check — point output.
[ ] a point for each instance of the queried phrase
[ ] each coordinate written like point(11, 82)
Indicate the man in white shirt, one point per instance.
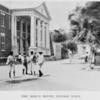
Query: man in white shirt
point(33, 61)
point(40, 63)
point(20, 58)
point(70, 55)
point(11, 62)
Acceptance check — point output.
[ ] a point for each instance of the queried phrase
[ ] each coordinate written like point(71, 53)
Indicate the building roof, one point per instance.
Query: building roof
point(20, 4)
point(25, 5)
point(4, 8)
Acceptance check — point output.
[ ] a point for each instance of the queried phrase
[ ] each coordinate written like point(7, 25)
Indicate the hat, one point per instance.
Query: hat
point(40, 52)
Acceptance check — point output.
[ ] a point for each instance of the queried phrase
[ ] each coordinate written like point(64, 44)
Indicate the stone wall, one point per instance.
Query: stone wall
point(57, 50)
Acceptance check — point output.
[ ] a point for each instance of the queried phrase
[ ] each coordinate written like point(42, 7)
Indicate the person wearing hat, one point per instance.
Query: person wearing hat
point(11, 63)
point(33, 61)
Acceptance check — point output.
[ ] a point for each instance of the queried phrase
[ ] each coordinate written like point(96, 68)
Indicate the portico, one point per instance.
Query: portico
point(30, 29)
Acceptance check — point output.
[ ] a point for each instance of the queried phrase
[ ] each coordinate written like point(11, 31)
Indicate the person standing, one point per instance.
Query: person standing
point(31, 62)
point(40, 63)
point(11, 63)
point(34, 60)
point(70, 55)
point(92, 57)
point(86, 57)
point(20, 58)
point(25, 63)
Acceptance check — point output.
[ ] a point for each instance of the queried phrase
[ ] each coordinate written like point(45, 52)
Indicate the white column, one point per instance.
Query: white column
point(21, 40)
point(13, 32)
point(48, 40)
point(14, 36)
point(39, 34)
point(47, 37)
point(32, 33)
point(43, 35)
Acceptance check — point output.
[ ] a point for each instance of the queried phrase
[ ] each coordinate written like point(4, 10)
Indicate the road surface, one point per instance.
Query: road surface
point(61, 75)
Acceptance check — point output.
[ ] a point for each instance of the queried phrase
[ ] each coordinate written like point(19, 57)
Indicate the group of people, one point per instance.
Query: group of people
point(32, 62)
point(89, 57)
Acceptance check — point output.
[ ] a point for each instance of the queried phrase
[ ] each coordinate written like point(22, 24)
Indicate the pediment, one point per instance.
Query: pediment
point(43, 10)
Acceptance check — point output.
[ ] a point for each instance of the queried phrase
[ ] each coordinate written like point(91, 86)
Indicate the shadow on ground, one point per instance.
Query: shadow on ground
point(72, 63)
point(90, 69)
point(16, 80)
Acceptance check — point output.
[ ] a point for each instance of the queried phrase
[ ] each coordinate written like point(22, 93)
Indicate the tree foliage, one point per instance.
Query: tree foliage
point(70, 45)
point(87, 18)
point(58, 36)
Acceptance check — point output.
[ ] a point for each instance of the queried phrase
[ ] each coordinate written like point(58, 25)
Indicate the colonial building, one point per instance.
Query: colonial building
point(29, 29)
point(5, 31)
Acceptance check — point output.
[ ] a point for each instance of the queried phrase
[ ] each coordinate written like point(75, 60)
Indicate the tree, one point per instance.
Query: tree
point(92, 10)
point(88, 22)
point(59, 36)
point(70, 45)
point(64, 51)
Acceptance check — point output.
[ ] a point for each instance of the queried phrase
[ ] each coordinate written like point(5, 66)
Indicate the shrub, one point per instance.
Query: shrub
point(70, 45)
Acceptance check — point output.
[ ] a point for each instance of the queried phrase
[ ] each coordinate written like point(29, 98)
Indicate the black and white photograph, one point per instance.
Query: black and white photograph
point(49, 45)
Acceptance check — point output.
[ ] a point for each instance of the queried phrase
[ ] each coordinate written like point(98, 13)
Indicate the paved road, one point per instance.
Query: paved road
point(60, 76)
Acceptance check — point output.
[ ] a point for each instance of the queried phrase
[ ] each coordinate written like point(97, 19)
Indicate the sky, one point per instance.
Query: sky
point(59, 12)
point(58, 9)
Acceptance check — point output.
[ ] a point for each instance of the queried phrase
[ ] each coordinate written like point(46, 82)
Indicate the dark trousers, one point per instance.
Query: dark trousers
point(40, 73)
point(25, 71)
point(86, 59)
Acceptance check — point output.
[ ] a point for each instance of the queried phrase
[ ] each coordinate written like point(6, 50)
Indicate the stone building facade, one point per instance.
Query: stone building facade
point(5, 31)
point(27, 29)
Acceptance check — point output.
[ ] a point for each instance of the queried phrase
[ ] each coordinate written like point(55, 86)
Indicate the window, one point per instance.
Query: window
point(28, 28)
point(2, 38)
point(24, 35)
point(36, 37)
point(18, 29)
point(24, 30)
point(36, 22)
point(24, 27)
point(9, 22)
point(2, 19)
point(18, 25)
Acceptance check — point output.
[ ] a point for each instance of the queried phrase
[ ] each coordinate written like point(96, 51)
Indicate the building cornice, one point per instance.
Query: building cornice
point(5, 12)
point(35, 10)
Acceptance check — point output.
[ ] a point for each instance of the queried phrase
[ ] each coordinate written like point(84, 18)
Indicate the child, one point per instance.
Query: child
point(11, 62)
